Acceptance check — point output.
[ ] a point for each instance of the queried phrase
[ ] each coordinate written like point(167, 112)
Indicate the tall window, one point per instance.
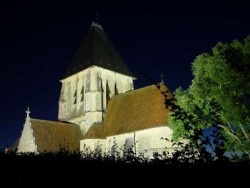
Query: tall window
point(82, 93)
point(116, 90)
point(75, 97)
point(107, 94)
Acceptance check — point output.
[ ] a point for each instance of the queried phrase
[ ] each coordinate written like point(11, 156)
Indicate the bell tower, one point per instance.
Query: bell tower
point(96, 73)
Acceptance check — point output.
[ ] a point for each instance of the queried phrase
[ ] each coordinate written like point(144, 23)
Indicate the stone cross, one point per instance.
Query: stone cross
point(28, 112)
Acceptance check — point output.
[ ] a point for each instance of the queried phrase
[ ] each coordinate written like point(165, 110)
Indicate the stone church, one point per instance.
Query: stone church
point(99, 107)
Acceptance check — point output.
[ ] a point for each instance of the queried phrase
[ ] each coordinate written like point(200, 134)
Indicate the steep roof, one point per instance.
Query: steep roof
point(132, 111)
point(97, 50)
point(95, 131)
point(51, 136)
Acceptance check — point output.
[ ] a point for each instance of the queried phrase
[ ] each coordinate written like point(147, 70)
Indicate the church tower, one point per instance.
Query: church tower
point(96, 73)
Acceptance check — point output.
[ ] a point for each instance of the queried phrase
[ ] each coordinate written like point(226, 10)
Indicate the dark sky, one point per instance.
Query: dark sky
point(39, 38)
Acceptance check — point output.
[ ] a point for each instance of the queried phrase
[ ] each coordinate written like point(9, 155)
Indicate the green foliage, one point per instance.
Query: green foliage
point(219, 96)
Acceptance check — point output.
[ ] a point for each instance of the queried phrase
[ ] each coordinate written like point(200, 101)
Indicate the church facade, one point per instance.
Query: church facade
point(99, 108)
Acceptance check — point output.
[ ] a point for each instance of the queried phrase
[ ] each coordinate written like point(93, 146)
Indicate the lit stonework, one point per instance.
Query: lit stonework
point(95, 74)
point(84, 96)
point(99, 108)
point(27, 141)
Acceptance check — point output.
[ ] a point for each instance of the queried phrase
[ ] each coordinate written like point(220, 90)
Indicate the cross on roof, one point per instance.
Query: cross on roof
point(162, 76)
point(28, 112)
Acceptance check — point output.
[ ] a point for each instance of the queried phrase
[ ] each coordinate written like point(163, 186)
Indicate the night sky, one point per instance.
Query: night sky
point(39, 38)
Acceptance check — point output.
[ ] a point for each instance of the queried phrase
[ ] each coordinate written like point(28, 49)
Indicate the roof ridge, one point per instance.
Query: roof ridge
point(68, 123)
point(137, 90)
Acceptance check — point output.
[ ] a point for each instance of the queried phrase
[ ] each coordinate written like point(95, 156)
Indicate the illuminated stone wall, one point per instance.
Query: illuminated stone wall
point(84, 96)
point(89, 146)
point(142, 143)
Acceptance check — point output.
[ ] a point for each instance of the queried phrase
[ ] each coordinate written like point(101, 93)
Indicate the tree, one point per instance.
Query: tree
point(219, 96)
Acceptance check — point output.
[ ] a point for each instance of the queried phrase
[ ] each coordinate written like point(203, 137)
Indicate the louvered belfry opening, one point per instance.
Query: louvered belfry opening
point(107, 94)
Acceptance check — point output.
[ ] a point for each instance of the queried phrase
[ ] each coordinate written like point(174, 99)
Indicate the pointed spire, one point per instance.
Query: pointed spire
point(97, 50)
point(28, 113)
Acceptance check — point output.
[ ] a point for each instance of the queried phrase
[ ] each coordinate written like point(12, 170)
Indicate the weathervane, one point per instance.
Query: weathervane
point(95, 22)
point(96, 16)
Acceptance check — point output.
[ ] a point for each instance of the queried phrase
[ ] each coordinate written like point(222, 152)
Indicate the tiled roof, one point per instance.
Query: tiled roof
point(135, 110)
point(52, 136)
point(97, 50)
point(95, 131)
